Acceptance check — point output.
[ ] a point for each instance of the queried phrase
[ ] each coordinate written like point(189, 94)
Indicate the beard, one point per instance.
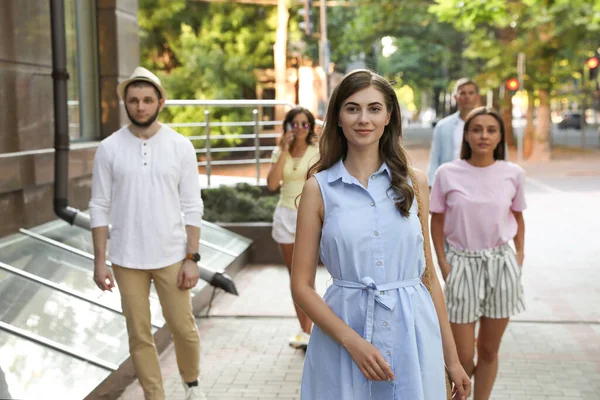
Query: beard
point(145, 124)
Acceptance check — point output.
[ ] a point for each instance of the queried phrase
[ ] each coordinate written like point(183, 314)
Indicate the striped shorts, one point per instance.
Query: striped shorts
point(483, 283)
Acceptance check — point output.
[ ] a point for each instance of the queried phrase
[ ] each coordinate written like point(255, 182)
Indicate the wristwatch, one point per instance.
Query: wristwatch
point(195, 257)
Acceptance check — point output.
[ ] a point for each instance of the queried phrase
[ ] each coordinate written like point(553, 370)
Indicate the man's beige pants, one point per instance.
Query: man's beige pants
point(134, 286)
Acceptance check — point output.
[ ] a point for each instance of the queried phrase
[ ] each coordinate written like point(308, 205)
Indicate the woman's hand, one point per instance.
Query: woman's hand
point(369, 360)
point(462, 384)
point(520, 258)
point(286, 141)
point(445, 269)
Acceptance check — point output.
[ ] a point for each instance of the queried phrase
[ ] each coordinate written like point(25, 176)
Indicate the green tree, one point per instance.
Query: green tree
point(548, 32)
point(427, 53)
point(207, 51)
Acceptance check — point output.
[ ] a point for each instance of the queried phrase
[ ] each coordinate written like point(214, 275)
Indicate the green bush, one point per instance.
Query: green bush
point(242, 203)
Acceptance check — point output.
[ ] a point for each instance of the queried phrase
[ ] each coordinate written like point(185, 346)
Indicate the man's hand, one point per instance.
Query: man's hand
point(188, 275)
point(103, 277)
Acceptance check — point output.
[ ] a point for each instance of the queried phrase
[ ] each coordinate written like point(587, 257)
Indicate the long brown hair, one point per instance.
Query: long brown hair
point(333, 145)
point(499, 151)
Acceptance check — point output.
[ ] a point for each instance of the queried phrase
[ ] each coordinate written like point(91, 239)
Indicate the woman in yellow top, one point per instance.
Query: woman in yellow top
point(290, 162)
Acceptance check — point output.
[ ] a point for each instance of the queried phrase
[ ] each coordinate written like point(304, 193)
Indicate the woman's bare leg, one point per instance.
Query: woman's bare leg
point(488, 345)
point(287, 250)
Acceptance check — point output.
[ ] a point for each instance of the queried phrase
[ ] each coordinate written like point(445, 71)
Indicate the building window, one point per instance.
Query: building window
point(82, 64)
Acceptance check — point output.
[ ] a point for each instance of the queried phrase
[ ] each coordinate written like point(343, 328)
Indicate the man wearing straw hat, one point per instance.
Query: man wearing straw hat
point(145, 179)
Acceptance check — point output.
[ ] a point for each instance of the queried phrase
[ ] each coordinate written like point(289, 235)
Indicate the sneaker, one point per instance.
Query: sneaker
point(193, 393)
point(300, 341)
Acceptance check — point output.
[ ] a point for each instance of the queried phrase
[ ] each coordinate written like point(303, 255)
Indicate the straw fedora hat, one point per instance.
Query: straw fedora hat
point(143, 75)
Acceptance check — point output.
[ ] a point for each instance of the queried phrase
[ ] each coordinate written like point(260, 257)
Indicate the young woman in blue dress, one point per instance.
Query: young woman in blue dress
point(378, 332)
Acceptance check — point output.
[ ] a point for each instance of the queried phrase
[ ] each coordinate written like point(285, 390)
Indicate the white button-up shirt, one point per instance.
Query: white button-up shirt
point(148, 190)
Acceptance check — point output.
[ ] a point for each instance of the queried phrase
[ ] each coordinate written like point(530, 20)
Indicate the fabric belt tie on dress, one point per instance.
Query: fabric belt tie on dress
point(376, 294)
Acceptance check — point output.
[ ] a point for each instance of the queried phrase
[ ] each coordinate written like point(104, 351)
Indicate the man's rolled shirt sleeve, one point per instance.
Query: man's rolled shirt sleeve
point(100, 202)
point(192, 205)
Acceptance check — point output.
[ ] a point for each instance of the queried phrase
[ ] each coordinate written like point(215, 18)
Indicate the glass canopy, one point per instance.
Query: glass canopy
point(30, 371)
point(59, 333)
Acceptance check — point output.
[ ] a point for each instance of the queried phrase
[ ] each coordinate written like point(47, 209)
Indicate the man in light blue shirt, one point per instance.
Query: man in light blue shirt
point(448, 133)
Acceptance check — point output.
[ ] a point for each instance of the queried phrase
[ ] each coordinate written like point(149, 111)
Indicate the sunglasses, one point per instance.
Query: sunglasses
point(304, 125)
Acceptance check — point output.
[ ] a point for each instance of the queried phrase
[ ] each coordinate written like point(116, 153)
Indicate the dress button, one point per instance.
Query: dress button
point(376, 233)
point(379, 263)
point(389, 353)
point(372, 177)
point(145, 144)
point(144, 163)
point(385, 323)
point(381, 292)
point(372, 204)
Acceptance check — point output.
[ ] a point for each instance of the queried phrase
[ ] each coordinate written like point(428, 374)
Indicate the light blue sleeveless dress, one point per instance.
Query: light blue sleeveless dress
point(376, 259)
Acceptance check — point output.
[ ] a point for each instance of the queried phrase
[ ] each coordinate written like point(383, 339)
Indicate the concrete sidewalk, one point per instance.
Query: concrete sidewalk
point(551, 351)
point(245, 353)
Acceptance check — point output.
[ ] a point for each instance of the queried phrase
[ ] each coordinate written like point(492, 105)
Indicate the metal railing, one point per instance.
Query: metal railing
point(256, 136)
point(209, 136)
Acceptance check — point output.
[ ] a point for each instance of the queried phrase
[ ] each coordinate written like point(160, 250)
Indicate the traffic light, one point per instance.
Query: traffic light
point(306, 13)
point(592, 64)
point(512, 85)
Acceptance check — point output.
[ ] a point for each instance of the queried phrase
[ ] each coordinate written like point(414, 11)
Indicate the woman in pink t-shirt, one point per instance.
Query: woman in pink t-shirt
point(476, 206)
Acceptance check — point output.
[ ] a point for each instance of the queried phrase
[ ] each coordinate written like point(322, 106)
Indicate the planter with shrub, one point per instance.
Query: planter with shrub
point(247, 210)
point(241, 203)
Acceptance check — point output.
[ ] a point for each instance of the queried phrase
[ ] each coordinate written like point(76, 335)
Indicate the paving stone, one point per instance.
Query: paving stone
point(551, 351)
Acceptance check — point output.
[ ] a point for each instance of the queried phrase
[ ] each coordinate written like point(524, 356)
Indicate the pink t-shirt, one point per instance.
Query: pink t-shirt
point(478, 203)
